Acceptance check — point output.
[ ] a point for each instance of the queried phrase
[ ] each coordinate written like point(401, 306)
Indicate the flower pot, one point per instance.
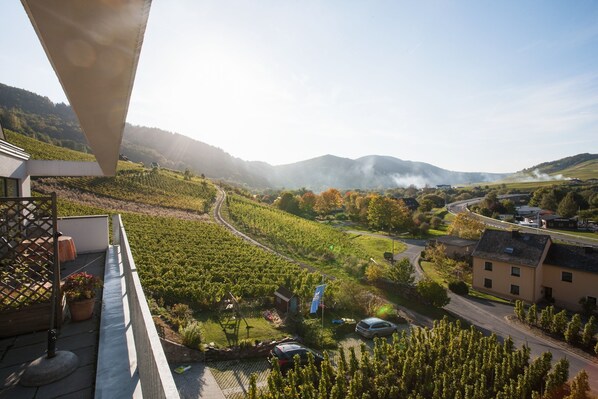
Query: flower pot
point(81, 310)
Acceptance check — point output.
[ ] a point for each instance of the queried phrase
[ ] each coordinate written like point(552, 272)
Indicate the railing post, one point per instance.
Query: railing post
point(116, 229)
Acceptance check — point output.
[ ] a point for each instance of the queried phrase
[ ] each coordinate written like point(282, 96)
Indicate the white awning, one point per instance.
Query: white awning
point(94, 46)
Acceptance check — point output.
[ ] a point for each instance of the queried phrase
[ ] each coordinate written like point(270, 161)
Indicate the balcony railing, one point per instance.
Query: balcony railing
point(131, 361)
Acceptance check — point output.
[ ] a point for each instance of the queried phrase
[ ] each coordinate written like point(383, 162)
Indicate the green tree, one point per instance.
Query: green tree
point(288, 202)
point(433, 293)
point(580, 386)
point(589, 330)
point(532, 315)
point(546, 316)
point(557, 378)
point(572, 329)
point(568, 207)
point(402, 272)
point(559, 323)
point(520, 310)
point(549, 201)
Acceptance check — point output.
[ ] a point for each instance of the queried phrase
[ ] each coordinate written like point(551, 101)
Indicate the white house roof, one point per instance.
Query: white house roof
point(94, 46)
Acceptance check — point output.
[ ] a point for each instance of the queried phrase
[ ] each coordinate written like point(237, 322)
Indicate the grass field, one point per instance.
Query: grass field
point(261, 330)
point(376, 246)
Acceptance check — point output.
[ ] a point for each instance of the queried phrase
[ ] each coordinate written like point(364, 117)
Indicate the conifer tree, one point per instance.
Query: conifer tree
point(572, 329)
point(579, 386)
point(559, 323)
point(520, 310)
point(546, 317)
point(532, 315)
point(589, 330)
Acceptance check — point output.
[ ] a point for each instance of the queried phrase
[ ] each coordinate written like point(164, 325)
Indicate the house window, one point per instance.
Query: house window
point(9, 187)
point(567, 276)
point(514, 289)
point(487, 283)
point(488, 266)
point(515, 271)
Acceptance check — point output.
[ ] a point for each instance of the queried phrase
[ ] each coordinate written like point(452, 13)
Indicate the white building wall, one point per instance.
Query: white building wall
point(90, 233)
point(16, 168)
point(40, 168)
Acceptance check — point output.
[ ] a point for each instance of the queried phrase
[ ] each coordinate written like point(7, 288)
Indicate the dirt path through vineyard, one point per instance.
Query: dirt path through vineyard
point(47, 186)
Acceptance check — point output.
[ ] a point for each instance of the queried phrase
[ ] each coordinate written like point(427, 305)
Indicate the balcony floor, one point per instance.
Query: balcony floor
point(80, 338)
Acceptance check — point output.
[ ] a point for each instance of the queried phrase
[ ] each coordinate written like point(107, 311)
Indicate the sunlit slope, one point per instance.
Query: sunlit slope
point(316, 243)
point(132, 182)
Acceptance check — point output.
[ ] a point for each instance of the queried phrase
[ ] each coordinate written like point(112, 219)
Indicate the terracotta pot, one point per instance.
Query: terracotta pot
point(82, 310)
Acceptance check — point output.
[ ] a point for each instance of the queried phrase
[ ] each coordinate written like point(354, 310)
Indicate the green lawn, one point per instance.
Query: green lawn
point(584, 234)
point(376, 246)
point(261, 330)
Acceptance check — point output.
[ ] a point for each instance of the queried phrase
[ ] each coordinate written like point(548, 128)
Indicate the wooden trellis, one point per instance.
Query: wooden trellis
point(29, 267)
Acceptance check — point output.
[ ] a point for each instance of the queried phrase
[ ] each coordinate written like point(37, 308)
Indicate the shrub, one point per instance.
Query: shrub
point(433, 293)
point(191, 335)
point(459, 287)
point(245, 344)
point(314, 335)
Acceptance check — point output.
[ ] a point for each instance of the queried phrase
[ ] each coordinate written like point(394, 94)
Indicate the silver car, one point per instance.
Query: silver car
point(375, 327)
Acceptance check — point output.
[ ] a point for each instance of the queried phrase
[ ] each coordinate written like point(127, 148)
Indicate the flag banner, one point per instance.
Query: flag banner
point(318, 294)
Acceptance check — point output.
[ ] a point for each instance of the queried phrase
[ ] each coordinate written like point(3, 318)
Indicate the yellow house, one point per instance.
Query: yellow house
point(531, 267)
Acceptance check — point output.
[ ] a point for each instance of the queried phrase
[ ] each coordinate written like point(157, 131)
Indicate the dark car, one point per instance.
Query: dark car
point(285, 353)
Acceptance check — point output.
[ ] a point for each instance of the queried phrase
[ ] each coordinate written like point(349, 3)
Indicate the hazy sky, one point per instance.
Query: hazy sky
point(493, 86)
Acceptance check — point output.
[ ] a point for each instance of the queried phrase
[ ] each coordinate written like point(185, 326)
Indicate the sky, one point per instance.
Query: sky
point(476, 86)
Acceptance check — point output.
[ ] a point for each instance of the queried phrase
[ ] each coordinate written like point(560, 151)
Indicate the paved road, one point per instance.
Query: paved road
point(460, 206)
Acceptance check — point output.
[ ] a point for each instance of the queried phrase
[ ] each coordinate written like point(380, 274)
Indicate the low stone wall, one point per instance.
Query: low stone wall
point(177, 353)
point(261, 350)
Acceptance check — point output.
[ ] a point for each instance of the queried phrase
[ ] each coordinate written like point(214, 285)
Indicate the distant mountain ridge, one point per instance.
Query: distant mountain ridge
point(33, 115)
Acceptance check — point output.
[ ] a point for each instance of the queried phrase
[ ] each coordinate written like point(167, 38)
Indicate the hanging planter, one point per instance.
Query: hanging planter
point(80, 292)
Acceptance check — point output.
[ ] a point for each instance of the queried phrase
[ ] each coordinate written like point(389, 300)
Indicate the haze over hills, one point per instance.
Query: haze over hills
point(33, 115)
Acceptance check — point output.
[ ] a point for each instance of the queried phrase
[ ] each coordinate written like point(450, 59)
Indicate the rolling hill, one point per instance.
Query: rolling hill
point(36, 116)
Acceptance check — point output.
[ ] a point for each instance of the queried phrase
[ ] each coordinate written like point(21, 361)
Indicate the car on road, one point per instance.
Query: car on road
point(285, 353)
point(374, 327)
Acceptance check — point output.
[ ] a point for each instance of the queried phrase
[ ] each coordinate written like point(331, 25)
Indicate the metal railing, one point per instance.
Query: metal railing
point(153, 370)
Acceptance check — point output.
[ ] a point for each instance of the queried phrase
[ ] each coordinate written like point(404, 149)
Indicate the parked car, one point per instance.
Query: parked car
point(285, 353)
point(375, 327)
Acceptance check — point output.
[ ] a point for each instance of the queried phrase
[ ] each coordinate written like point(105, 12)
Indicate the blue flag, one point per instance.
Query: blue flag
point(317, 298)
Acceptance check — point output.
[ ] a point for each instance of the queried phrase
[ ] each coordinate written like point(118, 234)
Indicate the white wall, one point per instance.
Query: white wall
point(63, 168)
point(16, 168)
point(90, 233)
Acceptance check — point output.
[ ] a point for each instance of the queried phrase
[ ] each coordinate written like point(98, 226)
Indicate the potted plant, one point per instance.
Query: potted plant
point(80, 291)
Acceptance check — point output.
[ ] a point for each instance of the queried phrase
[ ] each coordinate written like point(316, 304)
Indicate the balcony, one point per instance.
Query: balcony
point(119, 351)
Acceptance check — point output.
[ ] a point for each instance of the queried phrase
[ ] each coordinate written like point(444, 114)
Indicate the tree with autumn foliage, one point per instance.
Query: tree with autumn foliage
point(328, 201)
point(466, 226)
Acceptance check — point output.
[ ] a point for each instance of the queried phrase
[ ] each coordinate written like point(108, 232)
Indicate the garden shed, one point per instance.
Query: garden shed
point(286, 301)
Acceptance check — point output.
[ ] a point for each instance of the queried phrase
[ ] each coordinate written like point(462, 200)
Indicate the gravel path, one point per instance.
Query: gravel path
point(114, 205)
